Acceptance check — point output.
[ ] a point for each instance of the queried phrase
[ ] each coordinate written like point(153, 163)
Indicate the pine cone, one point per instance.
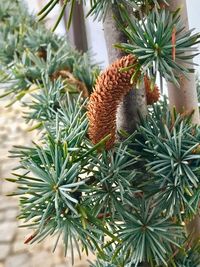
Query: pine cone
point(111, 87)
point(71, 80)
point(42, 53)
point(152, 95)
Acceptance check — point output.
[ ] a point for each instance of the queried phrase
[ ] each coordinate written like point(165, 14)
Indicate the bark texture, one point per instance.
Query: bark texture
point(135, 100)
point(185, 97)
point(185, 100)
point(77, 32)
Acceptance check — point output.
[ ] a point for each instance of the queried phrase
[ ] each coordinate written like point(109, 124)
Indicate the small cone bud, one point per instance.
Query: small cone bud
point(152, 94)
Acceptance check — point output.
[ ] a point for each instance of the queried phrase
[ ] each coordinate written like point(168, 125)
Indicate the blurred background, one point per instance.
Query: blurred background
point(88, 34)
point(84, 35)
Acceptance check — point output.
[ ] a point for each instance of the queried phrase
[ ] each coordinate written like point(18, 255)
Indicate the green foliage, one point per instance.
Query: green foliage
point(147, 234)
point(51, 183)
point(198, 88)
point(73, 124)
point(38, 38)
point(113, 181)
point(98, 8)
point(119, 260)
point(189, 257)
point(30, 57)
point(50, 6)
point(28, 52)
point(9, 47)
point(29, 68)
point(151, 42)
point(51, 188)
point(128, 192)
point(169, 149)
point(9, 9)
point(43, 105)
point(128, 205)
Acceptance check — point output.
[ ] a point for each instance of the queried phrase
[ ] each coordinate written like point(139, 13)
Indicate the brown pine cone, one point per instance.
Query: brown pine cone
point(152, 95)
point(71, 80)
point(111, 86)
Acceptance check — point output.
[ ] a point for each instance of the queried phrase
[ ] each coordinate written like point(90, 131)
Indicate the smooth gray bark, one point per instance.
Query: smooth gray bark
point(185, 100)
point(127, 115)
point(77, 32)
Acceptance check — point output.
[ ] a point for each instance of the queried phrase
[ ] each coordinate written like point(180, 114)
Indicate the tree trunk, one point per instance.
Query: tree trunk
point(77, 31)
point(185, 100)
point(134, 103)
point(127, 115)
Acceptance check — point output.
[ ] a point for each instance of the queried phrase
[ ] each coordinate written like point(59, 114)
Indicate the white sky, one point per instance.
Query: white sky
point(194, 20)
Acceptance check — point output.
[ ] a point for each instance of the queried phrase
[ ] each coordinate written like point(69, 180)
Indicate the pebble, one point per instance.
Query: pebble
point(7, 203)
point(19, 246)
point(18, 260)
point(42, 259)
point(11, 214)
point(8, 187)
point(8, 231)
point(4, 251)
